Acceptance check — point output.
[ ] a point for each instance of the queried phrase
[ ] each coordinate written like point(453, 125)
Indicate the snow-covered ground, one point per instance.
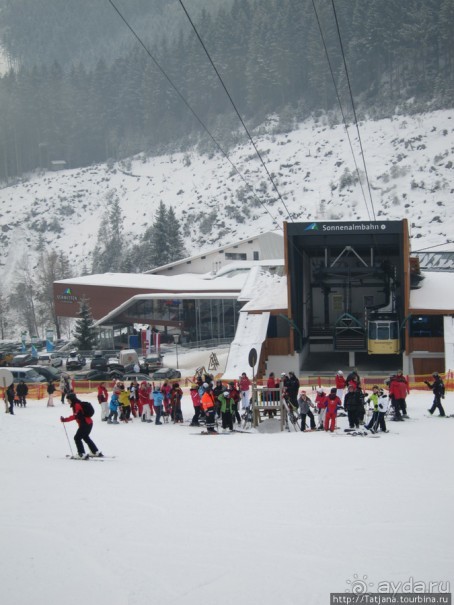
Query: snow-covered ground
point(275, 518)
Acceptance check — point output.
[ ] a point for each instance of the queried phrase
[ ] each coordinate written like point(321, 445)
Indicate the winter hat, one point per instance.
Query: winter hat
point(340, 373)
point(72, 398)
point(226, 393)
point(205, 385)
point(435, 374)
point(334, 390)
point(320, 390)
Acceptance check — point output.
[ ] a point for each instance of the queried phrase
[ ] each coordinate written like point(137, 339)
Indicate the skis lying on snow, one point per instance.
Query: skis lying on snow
point(212, 433)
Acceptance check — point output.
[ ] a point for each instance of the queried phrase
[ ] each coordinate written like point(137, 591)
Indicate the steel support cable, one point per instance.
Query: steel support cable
point(340, 105)
point(194, 113)
point(353, 106)
point(259, 155)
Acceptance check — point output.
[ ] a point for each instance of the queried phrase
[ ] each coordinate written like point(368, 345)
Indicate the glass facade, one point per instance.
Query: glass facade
point(198, 319)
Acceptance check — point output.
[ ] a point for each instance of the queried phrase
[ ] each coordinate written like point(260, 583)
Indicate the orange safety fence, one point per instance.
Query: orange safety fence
point(415, 382)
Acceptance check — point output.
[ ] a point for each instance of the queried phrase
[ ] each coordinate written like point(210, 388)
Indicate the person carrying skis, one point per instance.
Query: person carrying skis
point(305, 405)
point(85, 425)
point(332, 403)
point(438, 389)
point(102, 400)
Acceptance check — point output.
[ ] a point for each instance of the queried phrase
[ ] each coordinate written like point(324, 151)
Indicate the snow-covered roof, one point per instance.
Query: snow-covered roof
point(263, 236)
point(231, 278)
point(435, 294)
point(265, 291)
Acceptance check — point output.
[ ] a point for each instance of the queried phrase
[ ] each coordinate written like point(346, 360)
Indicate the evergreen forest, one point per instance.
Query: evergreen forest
point(60, 103)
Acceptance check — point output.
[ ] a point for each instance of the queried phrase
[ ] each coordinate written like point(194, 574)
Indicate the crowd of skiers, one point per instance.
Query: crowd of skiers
point(349, 396)
point(142, 401)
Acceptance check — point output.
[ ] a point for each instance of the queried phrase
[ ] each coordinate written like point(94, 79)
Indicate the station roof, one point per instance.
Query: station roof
point(435, 296)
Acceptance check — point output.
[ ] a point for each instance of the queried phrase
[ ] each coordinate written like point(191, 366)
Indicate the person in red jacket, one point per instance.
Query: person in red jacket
point(341, 383)
point(398, 391)
point(85, 425)
point(144, 403)
point(245, 385)
point(332, 402)
point(102, 400)
point(320, 402)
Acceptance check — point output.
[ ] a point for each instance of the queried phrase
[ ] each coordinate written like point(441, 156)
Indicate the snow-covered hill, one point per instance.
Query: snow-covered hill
point(410, 164)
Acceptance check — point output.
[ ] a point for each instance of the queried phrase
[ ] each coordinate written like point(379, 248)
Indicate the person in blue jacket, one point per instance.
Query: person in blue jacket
point(113, 407)
point(158, 401)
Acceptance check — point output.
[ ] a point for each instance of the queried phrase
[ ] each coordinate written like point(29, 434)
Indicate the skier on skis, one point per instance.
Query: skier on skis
point(85, 425)
point(354, 406)
point(438, 389)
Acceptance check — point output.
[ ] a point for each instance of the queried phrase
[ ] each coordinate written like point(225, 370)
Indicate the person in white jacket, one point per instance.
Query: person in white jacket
point(382, 408)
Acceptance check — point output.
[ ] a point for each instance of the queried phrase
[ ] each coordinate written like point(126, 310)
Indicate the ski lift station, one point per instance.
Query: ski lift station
point(313, 296)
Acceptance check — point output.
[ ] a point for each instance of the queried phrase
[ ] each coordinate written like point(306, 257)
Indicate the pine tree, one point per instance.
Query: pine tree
point(84, 332)
point(173, 230)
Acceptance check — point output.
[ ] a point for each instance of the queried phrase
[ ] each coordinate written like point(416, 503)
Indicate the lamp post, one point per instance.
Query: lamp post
point(175, 340)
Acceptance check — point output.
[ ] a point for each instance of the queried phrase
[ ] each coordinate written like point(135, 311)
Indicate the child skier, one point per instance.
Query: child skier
point(321, 406)
point(113, 407)
point(332, 403)
point(227, 410)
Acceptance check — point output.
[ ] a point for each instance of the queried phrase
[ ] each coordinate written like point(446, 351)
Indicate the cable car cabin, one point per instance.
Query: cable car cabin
point(383, 337)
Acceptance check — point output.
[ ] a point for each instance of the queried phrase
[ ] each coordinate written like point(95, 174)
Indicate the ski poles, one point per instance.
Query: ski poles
point(69, 443)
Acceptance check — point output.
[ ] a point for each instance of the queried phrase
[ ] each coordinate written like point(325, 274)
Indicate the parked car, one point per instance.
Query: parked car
point(5, 358)
point(98, 375)
point(166, 374)
point(24, 359)
point(26, 374)
point(151, 363)
point(50, 359)
point(133, 376)
point(75, 361)
point(48, 372)
point(99, 362)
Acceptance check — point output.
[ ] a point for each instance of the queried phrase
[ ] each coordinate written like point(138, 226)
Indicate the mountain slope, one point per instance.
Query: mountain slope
point(409, 163)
